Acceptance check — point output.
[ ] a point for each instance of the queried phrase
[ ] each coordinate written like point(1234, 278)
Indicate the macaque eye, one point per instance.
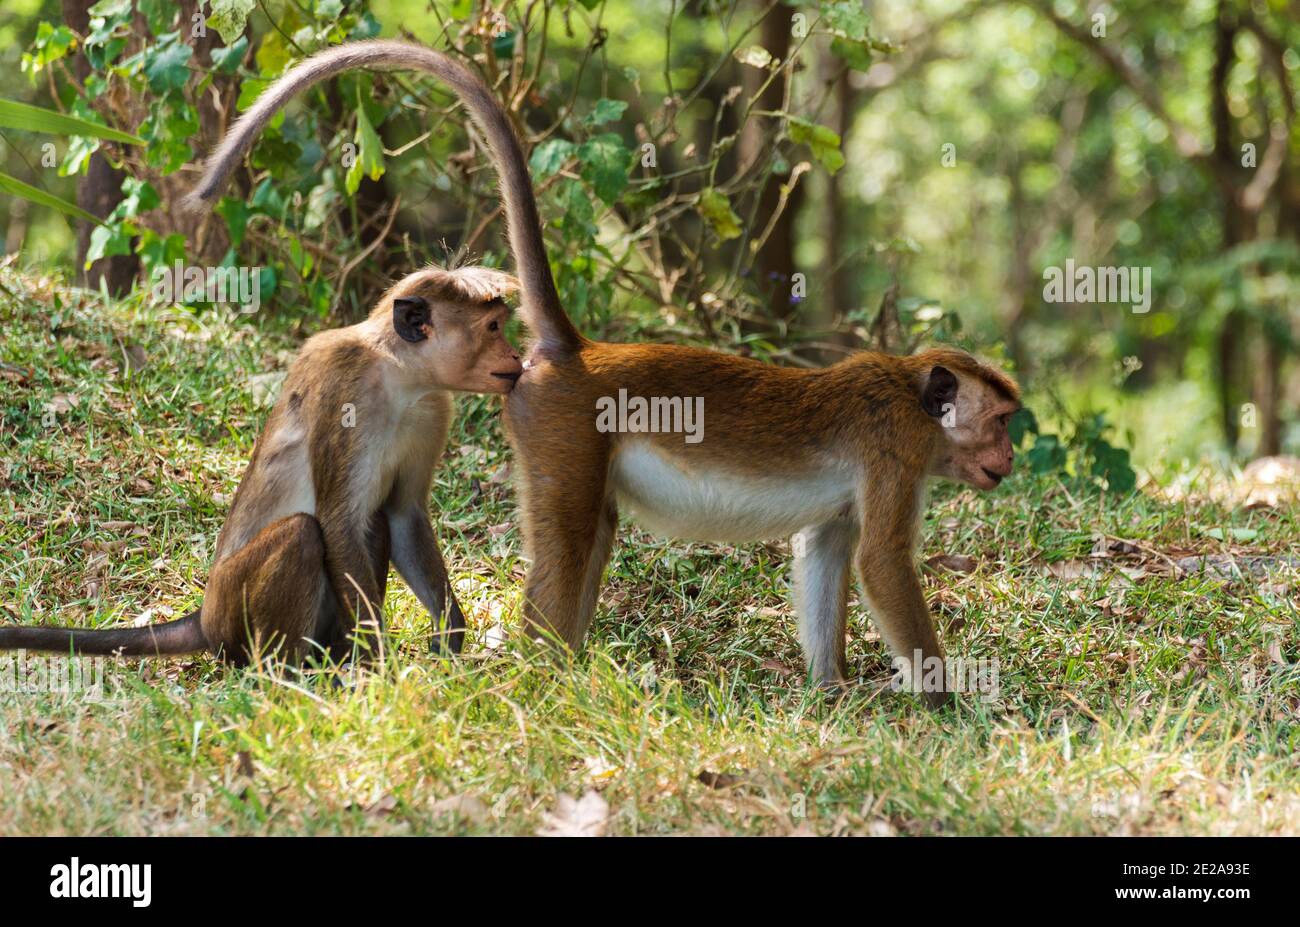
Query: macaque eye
point(494, 326)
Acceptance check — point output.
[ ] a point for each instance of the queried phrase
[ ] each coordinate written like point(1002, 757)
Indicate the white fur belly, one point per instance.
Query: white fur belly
point(713, 506)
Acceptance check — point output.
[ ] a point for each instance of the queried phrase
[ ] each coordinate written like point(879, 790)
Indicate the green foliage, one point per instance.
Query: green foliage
point(114, 235)
point(717, 212)
point(369, 158)
point(1086, 455)
point(84, 131)
point(15, 187)
point(821, 141)
point(229, 18)
point(14, 115)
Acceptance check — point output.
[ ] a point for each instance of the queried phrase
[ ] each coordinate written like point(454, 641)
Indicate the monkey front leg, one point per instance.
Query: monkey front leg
point(420, 563)
point(894, 592)
point(348, 561)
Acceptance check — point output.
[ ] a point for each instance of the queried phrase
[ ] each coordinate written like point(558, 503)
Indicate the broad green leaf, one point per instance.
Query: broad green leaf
point(167, 64)
point(80, 148)
point(155, 251)
point(236, 212)
point(549, 157)
point(824, 143)
point(1112, 465)
point(1047, 455)
point(847, 18)
point(605, 111)
point(1023, 423)
point(717, 212)
point(158, 14)
point(370, 154)
point(111, 9)
point(578, 223)
point(249, 91)
point(1237, 534)
point(605, 164)
point(14, 115)
point(109, 240)
point(503, 46)
point(171, 123)
point(754, 55)
point(15, 187)
point(229, 17)
point(226, 60)
point(137, 196)
point(856, 54)
point(51, 44)
point(273, 55)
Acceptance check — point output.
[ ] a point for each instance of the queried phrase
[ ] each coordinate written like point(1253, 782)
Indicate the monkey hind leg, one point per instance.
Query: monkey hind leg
point(272, 597)
point(822, 567)
point(569, 556)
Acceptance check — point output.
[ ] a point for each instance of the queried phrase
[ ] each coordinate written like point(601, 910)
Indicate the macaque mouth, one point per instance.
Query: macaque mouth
point(995, 477)
point(512, 376)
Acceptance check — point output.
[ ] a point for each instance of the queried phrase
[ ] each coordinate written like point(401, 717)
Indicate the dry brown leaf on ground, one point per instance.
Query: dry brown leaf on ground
point(716, 780)
point(781, 669)
point(1269, 482)
point(576, 817)
point(956, 563)
point(1070, 569)
point(461, 806)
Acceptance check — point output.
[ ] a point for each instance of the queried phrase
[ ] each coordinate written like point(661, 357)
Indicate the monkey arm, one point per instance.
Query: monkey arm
point(420, 563)
point(898, 605)
point(348, 564)
point(888, 511)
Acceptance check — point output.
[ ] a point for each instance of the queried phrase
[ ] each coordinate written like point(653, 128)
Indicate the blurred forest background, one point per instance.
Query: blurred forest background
point(788, 180)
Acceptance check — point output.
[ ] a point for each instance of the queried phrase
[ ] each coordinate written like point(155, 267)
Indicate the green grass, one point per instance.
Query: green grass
point(1156, 702)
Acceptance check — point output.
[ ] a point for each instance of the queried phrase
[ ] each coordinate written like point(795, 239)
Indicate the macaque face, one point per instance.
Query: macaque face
point(459, 343)
point(976, 447)
point(487, 362)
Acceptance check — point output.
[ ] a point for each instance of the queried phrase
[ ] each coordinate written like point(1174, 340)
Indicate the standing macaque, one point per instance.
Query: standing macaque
point(339, 485)
point(838, 457)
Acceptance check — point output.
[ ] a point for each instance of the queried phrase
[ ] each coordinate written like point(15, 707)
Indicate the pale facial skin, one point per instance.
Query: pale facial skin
point(465, 346)
point(978, 449)
point(485, 362)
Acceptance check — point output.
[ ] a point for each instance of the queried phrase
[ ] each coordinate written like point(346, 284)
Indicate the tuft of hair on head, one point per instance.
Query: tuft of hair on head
point(466, 286)
point(470, 284)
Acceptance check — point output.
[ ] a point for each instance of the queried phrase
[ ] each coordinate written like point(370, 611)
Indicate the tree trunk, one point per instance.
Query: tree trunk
point(775, 264)
point(99, 190)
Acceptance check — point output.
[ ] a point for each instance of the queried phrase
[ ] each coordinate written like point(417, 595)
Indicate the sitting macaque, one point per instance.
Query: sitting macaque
point(339, 485)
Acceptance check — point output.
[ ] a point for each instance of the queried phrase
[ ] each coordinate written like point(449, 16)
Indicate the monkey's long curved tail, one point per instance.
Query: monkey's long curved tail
point(541, 309)
point(184, 635)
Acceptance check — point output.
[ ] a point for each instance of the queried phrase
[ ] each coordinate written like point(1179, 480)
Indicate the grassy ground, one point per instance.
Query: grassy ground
point(1137, 693)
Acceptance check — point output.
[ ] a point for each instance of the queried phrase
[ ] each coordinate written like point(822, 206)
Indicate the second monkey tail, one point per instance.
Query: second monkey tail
point(184, 635)
point(541, 309)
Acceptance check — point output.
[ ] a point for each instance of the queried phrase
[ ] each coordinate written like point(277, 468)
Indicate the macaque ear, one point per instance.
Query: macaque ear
point(940, 390)
point(410, 316)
